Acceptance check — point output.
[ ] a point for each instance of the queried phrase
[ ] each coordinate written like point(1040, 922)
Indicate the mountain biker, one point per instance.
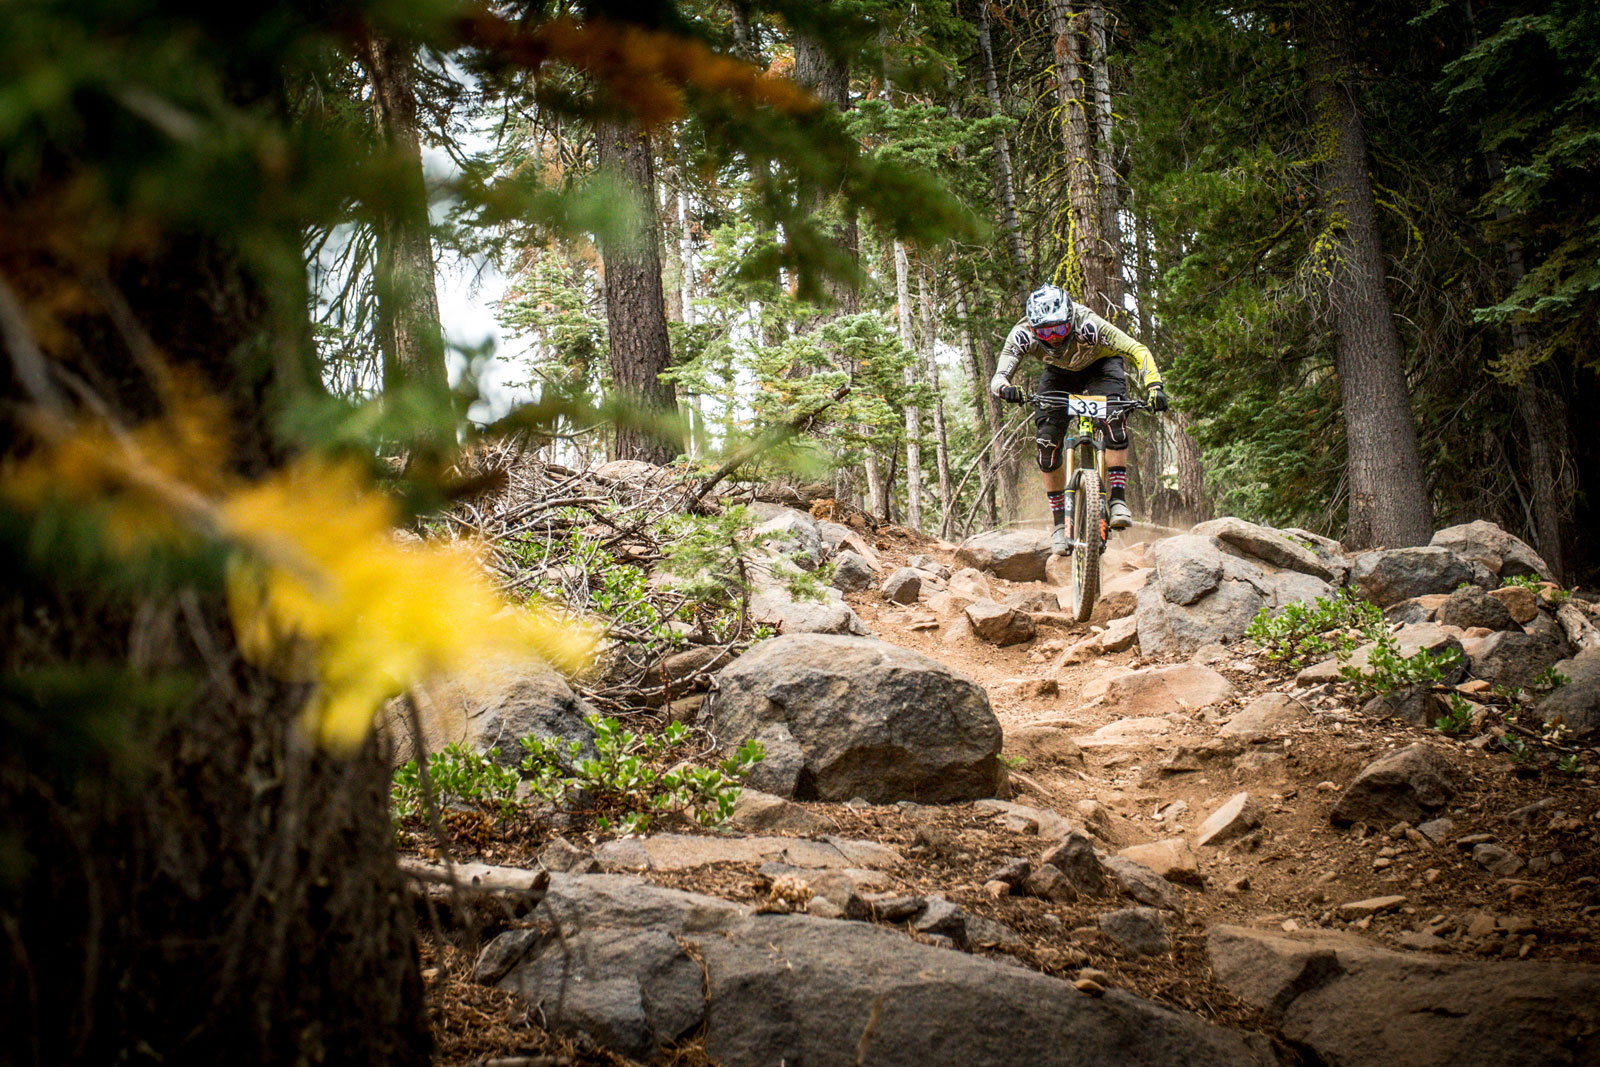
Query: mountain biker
point(1083, 354)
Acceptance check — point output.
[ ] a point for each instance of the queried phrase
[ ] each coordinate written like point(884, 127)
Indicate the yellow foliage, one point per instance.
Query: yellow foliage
point(319, 587)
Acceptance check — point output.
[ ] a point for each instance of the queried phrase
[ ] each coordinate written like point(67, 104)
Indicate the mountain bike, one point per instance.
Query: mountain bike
point(1085, 458)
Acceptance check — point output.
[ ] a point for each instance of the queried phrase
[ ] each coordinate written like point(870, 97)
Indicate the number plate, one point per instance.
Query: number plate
point(1093, 407)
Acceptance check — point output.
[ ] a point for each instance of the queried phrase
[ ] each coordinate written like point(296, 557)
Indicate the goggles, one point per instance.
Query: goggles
point(1053, 333)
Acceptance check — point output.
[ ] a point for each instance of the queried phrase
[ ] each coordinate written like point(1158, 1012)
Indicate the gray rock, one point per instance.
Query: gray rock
point(871, 719)
point(1500, 552)
point(1048, 883)
point(755, 810)
point(1436, 830)
point(795, 534)
point(1013, 872)
point(1401, 573)
point(1347, 1002)
point(1496, 860)
point(1034, 600)
point(925, 562)
point(1270, 546)
point(780, 771)
point(681, 852)
point(851, 571)
point(492, 706)
point(1140, 930)
point(776, 607)
point(944, 918)
point(561, 855)
point(1400, 787)
point(1268, 715)
point(1015, 555)
point(1575, 705)
point(1292, 587)
point(1187, 567)
point(1576, 623)
point(1417, 705)
point(1416, 609)
point(998, 624)
point(1236, 817)
point(1218, 618)
point(1142, 884)
point(988, 933)
point(1471, 607)
point(1515, 658)
point(1075, 858)
point(903, 586)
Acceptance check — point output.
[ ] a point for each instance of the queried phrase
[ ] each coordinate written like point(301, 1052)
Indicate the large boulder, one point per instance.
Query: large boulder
point(1344, 1001)
point(490, 706)
point(1503, 554)
point(1471, 607)
point(1015, 555)
point(636, 966)
point(1220, 617)
point(1402, 573)
point(1575, 705)
point(1400, 787)
point(999, 624)
point(1274, 547)
point(1515, 658)
point(1187, 567)
point(871, 719)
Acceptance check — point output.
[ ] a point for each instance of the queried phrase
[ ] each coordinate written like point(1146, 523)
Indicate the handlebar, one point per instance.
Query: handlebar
point(1095, 407)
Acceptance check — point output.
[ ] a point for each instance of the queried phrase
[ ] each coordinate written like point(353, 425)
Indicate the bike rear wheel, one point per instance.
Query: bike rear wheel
point(1086, 530)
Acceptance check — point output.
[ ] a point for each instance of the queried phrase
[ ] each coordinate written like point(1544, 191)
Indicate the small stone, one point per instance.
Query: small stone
point(1075, 857)
point(1362, 909)
point(1012, 873)
point(904, 586)
point(997, 889)
point(1436, 830)
point(1382, 863)
point(561, 855)
point(1496, 860)
point(1094, 974)
point(1089, 988)
point(1048, 883)
point(895, 909)
point(1482, 924)
point(1240, 884)
point(944, 918)
point(823, 908)
point(1235, 818)
point(1141, 930)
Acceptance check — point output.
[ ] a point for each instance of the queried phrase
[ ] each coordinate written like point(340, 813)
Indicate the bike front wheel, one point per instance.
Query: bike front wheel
point(1086, 531)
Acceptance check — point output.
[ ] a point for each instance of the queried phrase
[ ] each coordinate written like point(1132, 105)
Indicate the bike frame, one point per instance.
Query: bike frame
point(1086, 449)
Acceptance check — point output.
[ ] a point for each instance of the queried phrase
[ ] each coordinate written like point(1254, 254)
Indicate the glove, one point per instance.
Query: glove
point(1158, 398)
point(1012, 394)
point(998, 384)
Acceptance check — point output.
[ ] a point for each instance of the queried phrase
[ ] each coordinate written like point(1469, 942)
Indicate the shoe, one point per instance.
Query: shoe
point(1121, 515)
point(1060, 543)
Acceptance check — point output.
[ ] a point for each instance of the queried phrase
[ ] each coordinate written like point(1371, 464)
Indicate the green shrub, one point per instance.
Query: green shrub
point(1458, 719)
point(1388, 671)
point(631, 777)
point(1305, 633)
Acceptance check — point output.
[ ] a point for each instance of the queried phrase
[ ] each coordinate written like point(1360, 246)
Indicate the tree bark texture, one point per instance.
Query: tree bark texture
point(409, 335)
point(902, 308)
point(200, 886)
point(1091, 274)
point(1389, 503)
point(1105, 161)
point(1005, 180)
point(930, 365)
point(636, 317)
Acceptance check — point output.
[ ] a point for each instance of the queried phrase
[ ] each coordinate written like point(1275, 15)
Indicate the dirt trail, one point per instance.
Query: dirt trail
point(1297, 869)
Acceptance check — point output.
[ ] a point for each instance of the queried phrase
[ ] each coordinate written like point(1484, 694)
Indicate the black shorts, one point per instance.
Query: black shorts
point(1105, 377)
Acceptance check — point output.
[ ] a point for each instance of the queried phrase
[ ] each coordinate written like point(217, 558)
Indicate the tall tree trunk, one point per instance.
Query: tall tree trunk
point(636, 316)
point(1105, 162)
point(409, 335)
point(1088, 244)
point(902, 307)
point(985, 407)
point(1389, 502)
point(1004, 176)
point(829, 79)
point(1538, 409)
point(930, 364)
point(199, 885)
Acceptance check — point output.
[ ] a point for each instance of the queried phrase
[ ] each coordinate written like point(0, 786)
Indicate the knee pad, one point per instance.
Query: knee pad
point(1049, 454)
point(1117, 433)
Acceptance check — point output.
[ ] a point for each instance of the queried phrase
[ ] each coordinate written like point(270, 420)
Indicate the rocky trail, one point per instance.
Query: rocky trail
point(987, 834)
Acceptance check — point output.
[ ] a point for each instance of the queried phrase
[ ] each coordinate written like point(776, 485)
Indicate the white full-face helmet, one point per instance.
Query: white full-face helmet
point(1050, 314)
